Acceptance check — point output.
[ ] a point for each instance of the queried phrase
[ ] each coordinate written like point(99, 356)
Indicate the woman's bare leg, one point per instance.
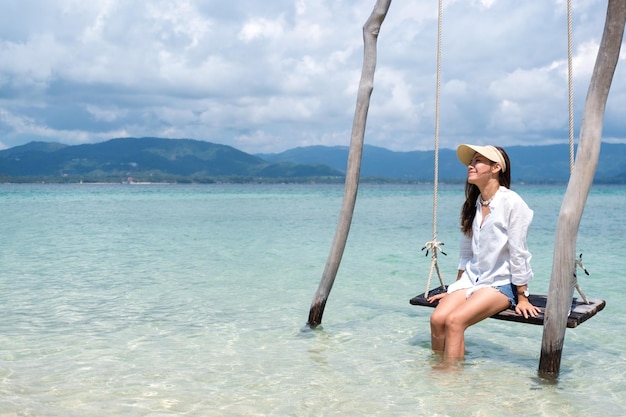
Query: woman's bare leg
point(438, 319)
point(481, 304)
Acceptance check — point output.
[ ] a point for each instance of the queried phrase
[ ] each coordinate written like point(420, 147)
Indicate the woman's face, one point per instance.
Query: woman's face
point(479, 170)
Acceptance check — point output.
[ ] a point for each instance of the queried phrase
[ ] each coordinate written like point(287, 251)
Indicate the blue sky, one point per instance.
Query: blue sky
point(274, 75)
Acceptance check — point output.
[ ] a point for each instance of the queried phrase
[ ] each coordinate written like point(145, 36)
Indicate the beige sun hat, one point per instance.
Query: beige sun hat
point(465, 153)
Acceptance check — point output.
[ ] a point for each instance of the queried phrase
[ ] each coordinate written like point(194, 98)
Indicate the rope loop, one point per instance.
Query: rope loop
point(434, 247)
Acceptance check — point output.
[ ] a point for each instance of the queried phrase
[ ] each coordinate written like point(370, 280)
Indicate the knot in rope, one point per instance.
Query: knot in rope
point(434, 246)
point(578, 263)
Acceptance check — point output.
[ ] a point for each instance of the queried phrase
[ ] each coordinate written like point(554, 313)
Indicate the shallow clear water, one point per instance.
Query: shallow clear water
point(154, 300)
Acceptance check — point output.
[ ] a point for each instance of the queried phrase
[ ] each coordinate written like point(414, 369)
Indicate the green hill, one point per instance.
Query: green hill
point(146, 159)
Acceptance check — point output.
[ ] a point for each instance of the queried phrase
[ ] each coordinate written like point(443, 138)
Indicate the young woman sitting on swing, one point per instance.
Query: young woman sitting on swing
point(494, 267)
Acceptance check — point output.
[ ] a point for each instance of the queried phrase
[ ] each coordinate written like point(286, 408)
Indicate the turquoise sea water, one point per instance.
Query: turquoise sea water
point(159, 300)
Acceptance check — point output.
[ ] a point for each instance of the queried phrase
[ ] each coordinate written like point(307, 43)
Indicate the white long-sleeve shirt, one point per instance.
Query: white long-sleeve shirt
point(496, 253)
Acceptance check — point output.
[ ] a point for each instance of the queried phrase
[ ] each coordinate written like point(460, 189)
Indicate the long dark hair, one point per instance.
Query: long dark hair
point(468, 211)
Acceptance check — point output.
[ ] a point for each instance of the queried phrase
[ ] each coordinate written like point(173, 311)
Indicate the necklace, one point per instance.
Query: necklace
point(484, 202)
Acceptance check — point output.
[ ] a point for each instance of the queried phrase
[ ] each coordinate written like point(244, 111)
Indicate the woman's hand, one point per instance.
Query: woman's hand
point(526, 309)
point(436, 297)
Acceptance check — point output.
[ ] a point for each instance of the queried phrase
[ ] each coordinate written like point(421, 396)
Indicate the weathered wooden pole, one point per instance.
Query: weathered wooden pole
point(366, 86)
point(563, 265)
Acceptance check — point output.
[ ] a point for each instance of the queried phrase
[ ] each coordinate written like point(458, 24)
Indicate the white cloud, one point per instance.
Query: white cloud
point(178, 19)
point(102, 114)
point(274, 75)
point(584, 59)
point(32, 62)
point(259, 28)
point(30, 127)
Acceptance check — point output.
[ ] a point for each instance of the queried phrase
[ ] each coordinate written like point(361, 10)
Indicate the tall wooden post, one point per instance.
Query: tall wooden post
point(366, 86)
point(563, 265)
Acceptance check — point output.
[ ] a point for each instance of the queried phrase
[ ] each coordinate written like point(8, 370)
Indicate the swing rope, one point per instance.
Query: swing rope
point(434, 246)
point(570, 84)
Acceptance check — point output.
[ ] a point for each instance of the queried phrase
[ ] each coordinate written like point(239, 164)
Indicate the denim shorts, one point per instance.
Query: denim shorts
point(510, 291)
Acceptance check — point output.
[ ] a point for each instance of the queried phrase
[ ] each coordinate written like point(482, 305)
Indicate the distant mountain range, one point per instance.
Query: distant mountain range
point(146, 159)
point(187, 160)
point(549, 163)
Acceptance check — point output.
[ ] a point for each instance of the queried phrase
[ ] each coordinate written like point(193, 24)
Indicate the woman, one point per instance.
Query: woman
point(494, 267)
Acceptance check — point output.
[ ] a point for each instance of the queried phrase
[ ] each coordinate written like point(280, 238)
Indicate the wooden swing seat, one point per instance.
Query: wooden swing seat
point(579, 313)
